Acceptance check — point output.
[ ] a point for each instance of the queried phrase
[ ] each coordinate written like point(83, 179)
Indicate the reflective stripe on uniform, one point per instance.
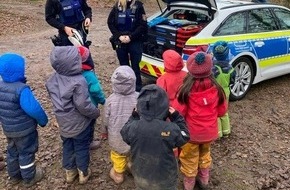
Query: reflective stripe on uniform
point(27, 166)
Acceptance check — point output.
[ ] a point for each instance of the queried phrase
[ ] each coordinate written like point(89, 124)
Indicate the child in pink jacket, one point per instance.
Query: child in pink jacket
point(201, 101)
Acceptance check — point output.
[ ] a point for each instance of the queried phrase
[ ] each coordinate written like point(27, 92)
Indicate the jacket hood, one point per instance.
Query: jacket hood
point(66, 60)
point(12, 67)
point(123, 80)
point(172, 61)
point(152, 102)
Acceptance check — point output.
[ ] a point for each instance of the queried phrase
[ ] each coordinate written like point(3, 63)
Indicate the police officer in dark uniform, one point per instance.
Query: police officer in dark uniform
point(128, 25)
point(66, 15)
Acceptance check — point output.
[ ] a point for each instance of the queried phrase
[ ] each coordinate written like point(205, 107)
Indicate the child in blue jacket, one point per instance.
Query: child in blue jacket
point(95, 89)
point(20, 113)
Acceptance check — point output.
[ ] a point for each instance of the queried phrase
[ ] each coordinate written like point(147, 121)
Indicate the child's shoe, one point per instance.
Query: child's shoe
point(71, 175)
point(37, 177)
point(203, 178)
point(117, 177)
point(14, 180)
point(188, 183)
point(82, 178)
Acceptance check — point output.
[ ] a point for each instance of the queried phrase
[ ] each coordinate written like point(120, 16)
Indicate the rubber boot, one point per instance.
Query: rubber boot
point(37, 177)
point(188, 183)
point(117, 177)
point(82, 178)
point(71, 175)
point(14, 180)
point(203, 178)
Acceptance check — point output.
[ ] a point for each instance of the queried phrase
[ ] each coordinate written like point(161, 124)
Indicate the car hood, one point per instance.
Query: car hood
point(209, 3)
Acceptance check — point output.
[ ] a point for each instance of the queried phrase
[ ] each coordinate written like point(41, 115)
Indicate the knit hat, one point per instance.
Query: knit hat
point(172, 61)
point(221, 50)
point(12, 67)
point(199, 64)
point(84, 52)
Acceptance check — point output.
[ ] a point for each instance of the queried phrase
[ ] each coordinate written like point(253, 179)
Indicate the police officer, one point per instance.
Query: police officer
point(66, 15)
point(128, 25)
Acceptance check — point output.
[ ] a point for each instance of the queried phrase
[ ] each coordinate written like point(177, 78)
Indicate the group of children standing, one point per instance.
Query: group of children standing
point(179, 116)
point(201, 97)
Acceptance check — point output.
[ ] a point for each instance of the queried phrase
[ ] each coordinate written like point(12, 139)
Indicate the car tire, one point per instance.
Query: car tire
point(243, 79)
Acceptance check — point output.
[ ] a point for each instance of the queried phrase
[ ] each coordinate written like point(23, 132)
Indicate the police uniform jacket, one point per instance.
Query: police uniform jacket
point(138, 26)
point(54, 10)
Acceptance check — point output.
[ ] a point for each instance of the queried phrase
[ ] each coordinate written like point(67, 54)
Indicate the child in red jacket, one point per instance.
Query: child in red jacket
point(201, 101)
point(173, 77)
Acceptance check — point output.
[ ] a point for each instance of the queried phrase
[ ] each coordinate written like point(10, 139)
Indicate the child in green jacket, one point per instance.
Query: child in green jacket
point(224, 75)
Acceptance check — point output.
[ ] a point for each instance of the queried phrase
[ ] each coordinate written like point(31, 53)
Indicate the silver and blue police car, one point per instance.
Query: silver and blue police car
point(258, 35)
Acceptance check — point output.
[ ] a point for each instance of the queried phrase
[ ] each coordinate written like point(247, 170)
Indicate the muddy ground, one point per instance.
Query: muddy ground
point(255, 157)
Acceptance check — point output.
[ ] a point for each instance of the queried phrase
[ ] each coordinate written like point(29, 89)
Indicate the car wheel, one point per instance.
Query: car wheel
point(243, 79)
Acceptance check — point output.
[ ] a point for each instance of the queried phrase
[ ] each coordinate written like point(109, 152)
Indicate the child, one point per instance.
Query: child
point(173, 78)
point(200, 100)
point(152, 139)
point(224, 75)
point(95, 89)
point(74, 111)
point(118, 109)
point(20, 113)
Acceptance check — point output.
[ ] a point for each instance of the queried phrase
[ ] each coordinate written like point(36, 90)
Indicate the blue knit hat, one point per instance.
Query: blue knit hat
point(12, 67)
point(221, 50)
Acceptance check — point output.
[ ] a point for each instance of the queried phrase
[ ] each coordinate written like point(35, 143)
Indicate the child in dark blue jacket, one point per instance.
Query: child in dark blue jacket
point(20, 113)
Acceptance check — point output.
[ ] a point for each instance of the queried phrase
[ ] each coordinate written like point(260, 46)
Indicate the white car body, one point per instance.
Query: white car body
point(256, 56)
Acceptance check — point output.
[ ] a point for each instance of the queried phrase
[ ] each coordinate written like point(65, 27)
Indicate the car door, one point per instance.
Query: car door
point(270, 45)
point(283, 17)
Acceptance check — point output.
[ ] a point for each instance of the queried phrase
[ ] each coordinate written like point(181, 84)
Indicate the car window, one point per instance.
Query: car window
point(283, 18)
point(189, 15)
point(235, 24)
point(261, 20)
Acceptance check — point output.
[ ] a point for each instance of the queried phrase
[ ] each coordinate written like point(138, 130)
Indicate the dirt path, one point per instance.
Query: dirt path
point(255, 156)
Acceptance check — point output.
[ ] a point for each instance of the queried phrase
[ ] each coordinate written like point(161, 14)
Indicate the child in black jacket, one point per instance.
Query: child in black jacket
point(152, 139)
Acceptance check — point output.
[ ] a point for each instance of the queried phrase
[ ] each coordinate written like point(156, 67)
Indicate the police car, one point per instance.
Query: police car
point(258, 36)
